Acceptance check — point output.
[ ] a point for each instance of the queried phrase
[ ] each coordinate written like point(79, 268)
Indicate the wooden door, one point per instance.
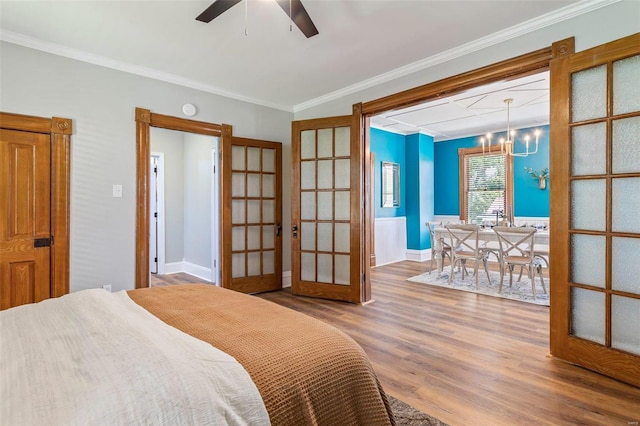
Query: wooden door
point(595, 209)
point(25, 219)
point(328, 209)
point(251, 214)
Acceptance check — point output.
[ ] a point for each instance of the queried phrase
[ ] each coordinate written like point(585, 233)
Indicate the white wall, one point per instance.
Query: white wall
point(171, 143)
point(101, 102)
point(390, 239)
point(198, 179)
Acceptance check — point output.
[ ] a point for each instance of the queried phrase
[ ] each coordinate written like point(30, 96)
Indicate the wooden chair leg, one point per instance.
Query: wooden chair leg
point(533, 281)
point(539, 267)
point(451, 270)
point(501, 277)
point(510, 275)
point(484, 261)
point(475, 271)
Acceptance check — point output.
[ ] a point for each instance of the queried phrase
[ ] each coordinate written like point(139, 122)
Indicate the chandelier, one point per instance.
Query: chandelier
point(507, 146)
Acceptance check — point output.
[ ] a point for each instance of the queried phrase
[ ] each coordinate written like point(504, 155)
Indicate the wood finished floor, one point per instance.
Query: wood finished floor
point(466, 359)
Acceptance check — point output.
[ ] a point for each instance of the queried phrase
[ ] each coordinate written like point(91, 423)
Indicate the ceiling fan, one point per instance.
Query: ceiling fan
point(292, 8)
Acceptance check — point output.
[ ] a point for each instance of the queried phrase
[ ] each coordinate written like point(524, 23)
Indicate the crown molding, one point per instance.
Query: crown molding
point(562, 14)
point(540, 22)
point(400, 132)
point(57, 49)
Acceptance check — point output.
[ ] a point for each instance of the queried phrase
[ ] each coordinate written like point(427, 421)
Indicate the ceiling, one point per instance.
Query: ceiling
point(476, 111)
point(361, 42)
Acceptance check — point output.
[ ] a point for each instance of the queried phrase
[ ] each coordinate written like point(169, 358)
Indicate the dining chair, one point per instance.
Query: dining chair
point(445, 249)
point(465, 246)
point(517, 249)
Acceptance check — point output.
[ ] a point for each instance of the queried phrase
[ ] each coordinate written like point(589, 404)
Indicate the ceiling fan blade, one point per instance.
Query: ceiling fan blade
point(299, 16)
point(216, 8)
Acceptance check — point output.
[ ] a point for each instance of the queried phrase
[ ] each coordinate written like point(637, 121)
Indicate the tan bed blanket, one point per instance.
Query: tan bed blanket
point(308, 373)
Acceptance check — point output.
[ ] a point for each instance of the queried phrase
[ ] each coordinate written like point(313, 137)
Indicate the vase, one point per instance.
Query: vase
point(542, 183)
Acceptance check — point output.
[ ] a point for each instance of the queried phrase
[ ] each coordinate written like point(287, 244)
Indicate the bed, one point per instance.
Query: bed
point(94, 357)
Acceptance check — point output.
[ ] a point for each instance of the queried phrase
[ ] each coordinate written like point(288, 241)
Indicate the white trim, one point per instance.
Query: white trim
point(197, 271)
point(391, 219)
point(286, 279)
point(559, 15)
point(456, 219)
point(173, 268)
point(446, 219)
point(398, 131)
point(188, 268)
point(68, 52)
point(551, 18)
point(418, 255)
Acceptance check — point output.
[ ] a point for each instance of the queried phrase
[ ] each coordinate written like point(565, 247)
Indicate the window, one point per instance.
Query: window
point(486, 185)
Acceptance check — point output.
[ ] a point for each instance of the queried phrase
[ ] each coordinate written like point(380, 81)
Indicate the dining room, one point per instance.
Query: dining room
point(473, 159)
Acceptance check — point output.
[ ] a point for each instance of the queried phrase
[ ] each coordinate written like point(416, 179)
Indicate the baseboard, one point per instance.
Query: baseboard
point(389, 262)
point(419, 255)
point(173, 268)
point(286, 279)
point(188, 268)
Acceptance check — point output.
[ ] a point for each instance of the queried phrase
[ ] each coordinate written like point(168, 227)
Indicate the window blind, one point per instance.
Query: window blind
point(485, 186)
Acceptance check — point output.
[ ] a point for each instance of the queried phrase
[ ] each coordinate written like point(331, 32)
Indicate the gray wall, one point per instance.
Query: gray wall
point(101, 102)
point(171, 144)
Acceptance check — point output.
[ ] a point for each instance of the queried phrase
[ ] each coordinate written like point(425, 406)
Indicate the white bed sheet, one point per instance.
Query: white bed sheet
point(97, 358)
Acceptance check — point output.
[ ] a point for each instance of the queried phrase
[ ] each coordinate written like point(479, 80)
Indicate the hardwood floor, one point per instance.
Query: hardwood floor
point(469, 359)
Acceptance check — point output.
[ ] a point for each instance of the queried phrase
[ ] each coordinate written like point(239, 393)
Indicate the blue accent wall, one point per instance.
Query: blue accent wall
point(420, 189)
point(529, 200)
point(388, 147)
point(415, 155)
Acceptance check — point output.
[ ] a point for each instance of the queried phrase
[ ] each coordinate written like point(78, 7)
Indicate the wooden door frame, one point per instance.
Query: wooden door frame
point(59, 130)
point(519, 66)
point(145, 119)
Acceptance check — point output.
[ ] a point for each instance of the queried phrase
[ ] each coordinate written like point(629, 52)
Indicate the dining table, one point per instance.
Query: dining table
point(487, 236)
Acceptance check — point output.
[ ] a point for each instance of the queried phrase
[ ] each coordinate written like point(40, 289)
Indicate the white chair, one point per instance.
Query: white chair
point(465, 247)
point(516, 249)
point(445, 249)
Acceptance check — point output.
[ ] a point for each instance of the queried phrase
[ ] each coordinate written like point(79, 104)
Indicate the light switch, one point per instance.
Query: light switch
point(117, 191)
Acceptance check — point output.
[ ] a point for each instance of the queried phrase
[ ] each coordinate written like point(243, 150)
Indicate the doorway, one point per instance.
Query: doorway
point(249, 174)
point(184, 204)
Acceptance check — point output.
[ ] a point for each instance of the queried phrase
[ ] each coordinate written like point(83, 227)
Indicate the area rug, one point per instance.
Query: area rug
point(520, 291)
point(406, 415)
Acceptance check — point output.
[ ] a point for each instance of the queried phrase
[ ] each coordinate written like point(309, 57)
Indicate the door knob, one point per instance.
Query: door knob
point(294, 230)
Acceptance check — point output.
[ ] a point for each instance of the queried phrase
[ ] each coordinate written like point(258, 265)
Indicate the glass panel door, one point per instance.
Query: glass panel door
point(327, 209)
point(252, 215)
point(595, 205)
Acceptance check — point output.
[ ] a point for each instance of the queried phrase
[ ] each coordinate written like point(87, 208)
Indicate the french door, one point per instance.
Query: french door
point(328, 209)
point(595, 208)
point(252, 214)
